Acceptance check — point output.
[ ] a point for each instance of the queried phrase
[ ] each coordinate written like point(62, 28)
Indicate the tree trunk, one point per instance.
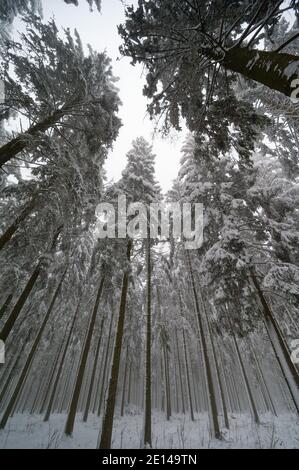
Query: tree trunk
point(167, 385)
point(10, 231)
point(122, 408)
point(96, 358)
point(82, 365)
point(105, 365)
point(188, 376)
point(15, 395)
point(148, 361)
point(12, 370)
point(9, 324)
point(58, 375)
point(106, 433)
point(244, 374)
point(275, 70)
point(279, 346)
point(211, 390)
point(180, 371)
point(217, 370)
point(17, 145)
point(5, 305)
point(51, 377)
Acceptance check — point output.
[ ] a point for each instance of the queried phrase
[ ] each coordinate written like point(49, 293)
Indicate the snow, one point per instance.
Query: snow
point(30, 432)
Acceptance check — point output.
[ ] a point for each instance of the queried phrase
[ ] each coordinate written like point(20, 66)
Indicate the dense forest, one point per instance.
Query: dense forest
point(141, 342)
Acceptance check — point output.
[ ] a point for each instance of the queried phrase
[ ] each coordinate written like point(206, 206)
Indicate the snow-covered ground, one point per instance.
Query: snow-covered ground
point(25, 431)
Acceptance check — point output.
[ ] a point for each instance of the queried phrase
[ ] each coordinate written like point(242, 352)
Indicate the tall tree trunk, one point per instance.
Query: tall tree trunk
point(244, 374)
point(106, 433)
point(51, 377)
point(5, 305)
point(188, 377)
point(122, 408)
point(58, 375)
point(279, 346)
point(217, 370)
point(180, 371)
point(9, 324)
point(148, 360)
point(130, 383)
point(15, 394)
point(105, 365)
point(18, 144)
point(10, 231)
point(69, 427)
point(92, 379)
point(13, 367)
point(211, 389)
point(270, 68)
point(266, 394)
point(167, 385)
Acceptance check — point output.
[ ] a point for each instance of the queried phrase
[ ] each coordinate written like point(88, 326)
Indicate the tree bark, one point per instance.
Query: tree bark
point(211, 389)
point(9, 324)
point(92, 379)
point(15, 394)
point(279, 346)
point(275, 70)
point(188, 377)
point(105, 365)
point(82, 365)
point(122, 408)
point(17, 145)
point(5, 305)
point(10, 231)
point(148, 361)
point(107, 427)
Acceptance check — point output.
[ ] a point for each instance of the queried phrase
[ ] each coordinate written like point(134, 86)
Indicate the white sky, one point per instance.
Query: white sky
point(100, 31)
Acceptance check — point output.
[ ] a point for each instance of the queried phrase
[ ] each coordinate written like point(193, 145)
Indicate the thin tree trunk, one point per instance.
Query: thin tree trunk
point(289, 370)
point(107, 427)
point(105, 365)
point(167, 388)
point(122, 408)
point(180, 372)
point(5, 305)
point(69, 427)
point(15, 395)
point(52, 375)
point(58, 375)
point(222, 395)
point(87, 406)
point(212, 395)
point(9, 324)
point(12, 370)
point(18, 144)
point(268, 397)
point(148, 361)
point(244, 374)
point(10, 231)
point(188, 376)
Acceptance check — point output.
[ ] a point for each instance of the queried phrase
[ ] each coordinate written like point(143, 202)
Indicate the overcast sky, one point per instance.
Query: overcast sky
point(100, 30)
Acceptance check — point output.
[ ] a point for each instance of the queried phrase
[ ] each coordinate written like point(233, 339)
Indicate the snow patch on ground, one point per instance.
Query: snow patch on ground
point(30, 432)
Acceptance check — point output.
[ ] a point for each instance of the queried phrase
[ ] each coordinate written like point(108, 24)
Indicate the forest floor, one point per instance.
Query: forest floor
point(24, 431)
